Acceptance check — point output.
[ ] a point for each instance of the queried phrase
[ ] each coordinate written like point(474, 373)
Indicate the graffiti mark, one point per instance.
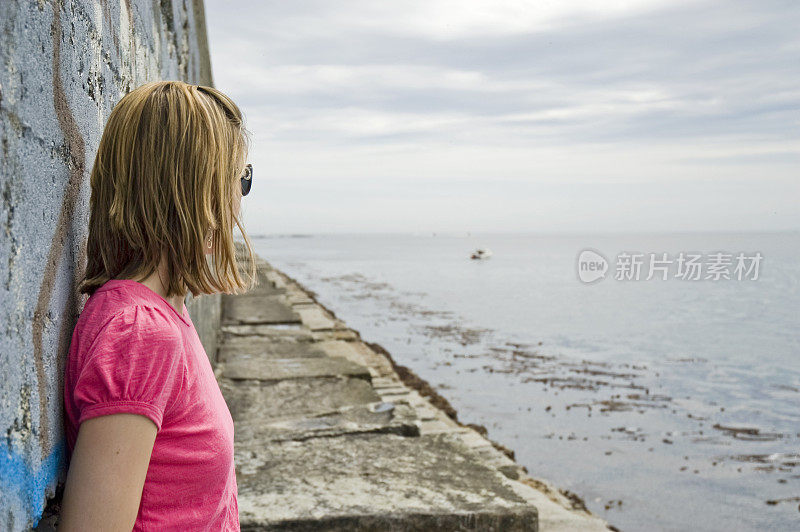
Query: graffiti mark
point(25, 481)
point(76, 149)
point(110, 25)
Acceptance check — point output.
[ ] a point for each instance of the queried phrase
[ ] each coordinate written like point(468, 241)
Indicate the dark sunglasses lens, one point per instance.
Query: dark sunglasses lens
point(247, 180)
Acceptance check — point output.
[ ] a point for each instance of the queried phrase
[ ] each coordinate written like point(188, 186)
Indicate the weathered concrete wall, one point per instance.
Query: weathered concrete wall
point(64, 67)
point(205, 312)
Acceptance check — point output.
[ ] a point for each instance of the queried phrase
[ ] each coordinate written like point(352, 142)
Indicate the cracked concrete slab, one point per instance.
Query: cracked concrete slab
point(257, 401)
point(249, 348)
point(375, 482)
point(359, 353)
point(378, 417)
point(315, 318)
point(258, 309)
point(291, 368)
point(296, 331)
point(335, 334)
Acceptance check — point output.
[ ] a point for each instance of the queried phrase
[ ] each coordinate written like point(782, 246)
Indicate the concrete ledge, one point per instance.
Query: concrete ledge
point(379, 417)
point(261, 402)
point(251, 332)
point(277, 369)
point(316, 319)
point(409, 522)
point(250, 347)
point(257, 309)
point(376, 482)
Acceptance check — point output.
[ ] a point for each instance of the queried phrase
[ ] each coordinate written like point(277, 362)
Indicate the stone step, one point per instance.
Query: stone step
point(315, 318)
point(270, 400)
point(387, 382)
point(277, 279)
point(335, 334)
point(375, 482)
point(295, 296)
point(230, 333)
point(258, 349)
point(359, 353)
point(291, 368)
point(388, 391)
point(265, 286)
point(371, 417)
point(257, 310)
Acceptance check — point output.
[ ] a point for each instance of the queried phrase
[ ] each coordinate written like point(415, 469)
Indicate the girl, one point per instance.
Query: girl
point(149, 435)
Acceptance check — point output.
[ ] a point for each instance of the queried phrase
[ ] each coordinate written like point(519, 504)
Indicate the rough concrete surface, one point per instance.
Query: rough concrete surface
point(64, 67)
point(291, 368)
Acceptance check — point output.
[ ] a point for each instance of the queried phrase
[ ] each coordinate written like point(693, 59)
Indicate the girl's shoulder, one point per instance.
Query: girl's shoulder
point(116, 307)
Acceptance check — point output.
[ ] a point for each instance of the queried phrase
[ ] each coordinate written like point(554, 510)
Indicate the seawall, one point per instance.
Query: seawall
point(331, 434)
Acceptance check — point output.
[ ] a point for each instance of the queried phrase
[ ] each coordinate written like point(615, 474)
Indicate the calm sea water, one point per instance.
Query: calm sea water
point(665, 404)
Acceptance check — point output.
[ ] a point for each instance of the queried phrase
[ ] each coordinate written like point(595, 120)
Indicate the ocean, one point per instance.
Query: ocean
point(669, 403)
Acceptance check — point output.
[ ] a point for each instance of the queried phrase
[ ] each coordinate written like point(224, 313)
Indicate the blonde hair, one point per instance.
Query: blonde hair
point(166, 173)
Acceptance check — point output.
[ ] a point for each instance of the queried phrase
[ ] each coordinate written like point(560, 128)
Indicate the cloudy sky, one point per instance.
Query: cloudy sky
point(544, 116)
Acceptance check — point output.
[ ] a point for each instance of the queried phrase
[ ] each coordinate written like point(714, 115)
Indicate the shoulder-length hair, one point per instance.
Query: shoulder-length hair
point(166, 174)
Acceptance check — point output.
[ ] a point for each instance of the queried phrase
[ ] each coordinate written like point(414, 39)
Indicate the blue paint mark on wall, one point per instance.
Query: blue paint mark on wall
point(24, 486)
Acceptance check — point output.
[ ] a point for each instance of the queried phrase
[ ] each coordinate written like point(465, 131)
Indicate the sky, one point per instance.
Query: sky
point(515, 116)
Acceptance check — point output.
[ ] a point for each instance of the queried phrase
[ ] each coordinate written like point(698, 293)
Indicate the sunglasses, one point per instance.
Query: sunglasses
point(247, 179)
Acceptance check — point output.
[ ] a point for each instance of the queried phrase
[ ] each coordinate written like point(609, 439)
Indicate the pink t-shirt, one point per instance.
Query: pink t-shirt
point(132, 352)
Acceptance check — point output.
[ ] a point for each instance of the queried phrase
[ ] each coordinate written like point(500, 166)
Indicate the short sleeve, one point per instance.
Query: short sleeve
point(135, 364)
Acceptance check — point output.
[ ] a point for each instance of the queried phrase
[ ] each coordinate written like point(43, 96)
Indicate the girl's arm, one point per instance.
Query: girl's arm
point(107, 472)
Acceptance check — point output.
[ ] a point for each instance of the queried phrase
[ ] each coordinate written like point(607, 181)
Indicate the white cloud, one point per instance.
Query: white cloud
point(457, 19)
point(616, 94)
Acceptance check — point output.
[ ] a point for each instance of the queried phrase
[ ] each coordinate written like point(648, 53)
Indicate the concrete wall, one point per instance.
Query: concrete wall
point(64, 66)
point(205, 312)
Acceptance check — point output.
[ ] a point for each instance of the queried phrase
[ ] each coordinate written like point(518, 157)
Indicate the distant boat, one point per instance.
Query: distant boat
point(481, 253)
